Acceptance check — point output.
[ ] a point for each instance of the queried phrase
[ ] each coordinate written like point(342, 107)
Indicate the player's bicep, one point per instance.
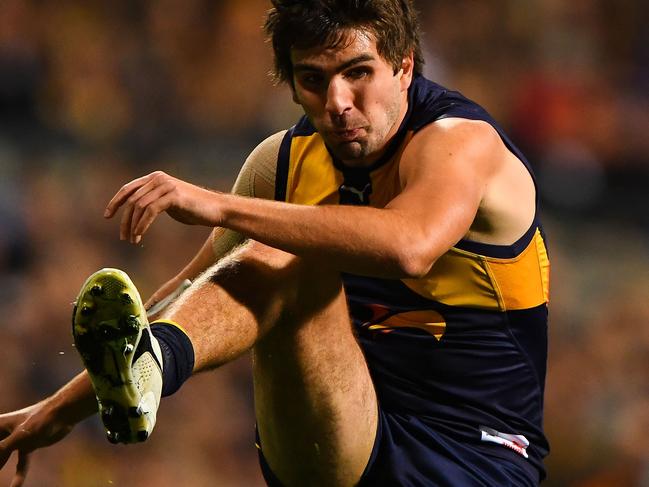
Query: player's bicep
point(443, 172)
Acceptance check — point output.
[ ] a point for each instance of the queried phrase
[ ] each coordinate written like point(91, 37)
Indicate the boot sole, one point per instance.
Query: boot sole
point(107, 325)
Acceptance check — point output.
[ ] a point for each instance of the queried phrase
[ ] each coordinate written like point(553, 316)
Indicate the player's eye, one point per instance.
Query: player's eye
point(311, 80)
point(358, 72)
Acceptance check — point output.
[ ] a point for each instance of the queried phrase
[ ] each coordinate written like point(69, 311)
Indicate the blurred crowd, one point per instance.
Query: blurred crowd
point(94, 93)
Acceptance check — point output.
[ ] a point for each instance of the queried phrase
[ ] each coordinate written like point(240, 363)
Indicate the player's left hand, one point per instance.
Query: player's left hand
point(10, 442)
point(143, 199)
point(26, 430)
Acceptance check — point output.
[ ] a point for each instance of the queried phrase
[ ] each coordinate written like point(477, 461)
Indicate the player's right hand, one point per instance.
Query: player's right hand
point(26, 430)
point(143, 199)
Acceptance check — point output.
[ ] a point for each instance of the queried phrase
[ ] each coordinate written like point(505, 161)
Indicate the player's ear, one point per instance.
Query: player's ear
point(406, 72)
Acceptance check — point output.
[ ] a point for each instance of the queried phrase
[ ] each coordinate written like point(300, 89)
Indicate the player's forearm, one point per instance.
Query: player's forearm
point(361, 240)
point(74, 402)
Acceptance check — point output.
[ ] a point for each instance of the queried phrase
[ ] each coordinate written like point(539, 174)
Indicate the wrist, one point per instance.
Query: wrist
point(221, 204)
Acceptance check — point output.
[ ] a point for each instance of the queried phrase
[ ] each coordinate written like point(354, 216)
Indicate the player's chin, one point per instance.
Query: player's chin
point(349, 150)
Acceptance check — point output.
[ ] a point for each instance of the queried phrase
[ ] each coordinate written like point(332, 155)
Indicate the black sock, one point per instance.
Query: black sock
point(177, 355)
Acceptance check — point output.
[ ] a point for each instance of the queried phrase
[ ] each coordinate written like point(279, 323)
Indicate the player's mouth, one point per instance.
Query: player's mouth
point(347, 135)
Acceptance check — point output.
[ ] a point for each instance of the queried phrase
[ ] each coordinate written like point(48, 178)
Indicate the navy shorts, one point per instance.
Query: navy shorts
point(408, 453)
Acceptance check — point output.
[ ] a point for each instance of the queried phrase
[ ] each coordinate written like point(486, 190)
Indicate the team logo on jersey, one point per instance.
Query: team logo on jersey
point(351, 195)
point(384, 320)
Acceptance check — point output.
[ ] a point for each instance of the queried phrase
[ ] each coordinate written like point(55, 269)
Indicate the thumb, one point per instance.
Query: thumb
point(21, 470)
point(7, 446)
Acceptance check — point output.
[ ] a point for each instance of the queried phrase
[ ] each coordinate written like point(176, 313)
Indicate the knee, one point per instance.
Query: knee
point(254, 261)
point(255, 269)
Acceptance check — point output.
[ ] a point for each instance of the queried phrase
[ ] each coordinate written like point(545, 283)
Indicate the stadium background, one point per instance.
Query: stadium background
point(93, 94)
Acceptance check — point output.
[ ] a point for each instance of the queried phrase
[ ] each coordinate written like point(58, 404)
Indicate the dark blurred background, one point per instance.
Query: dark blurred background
point(94, 93)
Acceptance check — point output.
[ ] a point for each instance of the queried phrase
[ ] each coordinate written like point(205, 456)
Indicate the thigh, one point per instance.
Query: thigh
point(314, 398)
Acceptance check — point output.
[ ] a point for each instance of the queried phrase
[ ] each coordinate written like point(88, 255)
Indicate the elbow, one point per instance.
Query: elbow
point(414, 261)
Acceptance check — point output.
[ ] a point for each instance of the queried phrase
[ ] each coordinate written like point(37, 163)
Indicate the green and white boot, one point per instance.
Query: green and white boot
point(123, 359)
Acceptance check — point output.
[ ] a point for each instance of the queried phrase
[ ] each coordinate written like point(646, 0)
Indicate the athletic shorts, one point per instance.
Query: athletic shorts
point(408, 453)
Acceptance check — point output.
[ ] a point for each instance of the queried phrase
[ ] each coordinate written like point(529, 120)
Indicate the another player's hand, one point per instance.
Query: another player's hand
point(25, 431)
point(143, 199)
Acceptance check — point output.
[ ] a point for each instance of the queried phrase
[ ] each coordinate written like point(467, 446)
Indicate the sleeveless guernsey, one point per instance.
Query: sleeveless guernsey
point(463, 349)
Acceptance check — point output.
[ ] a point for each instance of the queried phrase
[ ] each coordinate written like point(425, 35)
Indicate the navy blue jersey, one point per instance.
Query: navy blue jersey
point(462, 350)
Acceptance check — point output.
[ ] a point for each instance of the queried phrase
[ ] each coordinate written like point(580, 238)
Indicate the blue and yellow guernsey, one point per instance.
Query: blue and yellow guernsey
point(465, 347)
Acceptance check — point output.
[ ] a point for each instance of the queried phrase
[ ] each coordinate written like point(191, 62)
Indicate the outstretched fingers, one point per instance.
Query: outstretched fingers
point(142, 200)
point(150, 213)
point(21, 470)
point(147, 206)
point(132, 207)
point(7, 446)
point(4, 456)
point(125, 192)
point(7, 439)
point(26, 430)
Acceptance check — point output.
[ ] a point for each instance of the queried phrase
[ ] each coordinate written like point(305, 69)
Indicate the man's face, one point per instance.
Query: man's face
point(352, 96)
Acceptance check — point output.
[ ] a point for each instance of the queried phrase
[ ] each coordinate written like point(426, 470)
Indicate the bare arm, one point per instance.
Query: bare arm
point(444, 172)
point(45, 423)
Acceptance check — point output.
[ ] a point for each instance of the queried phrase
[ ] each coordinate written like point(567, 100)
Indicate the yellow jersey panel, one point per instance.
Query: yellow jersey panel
point(318, 181)
point(312, 184)
point(461, 278)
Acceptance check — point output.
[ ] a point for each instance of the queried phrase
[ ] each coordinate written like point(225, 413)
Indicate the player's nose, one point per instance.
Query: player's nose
point(340, 97)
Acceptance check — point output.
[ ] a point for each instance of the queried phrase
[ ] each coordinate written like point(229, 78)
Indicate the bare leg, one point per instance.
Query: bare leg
point(315, 402)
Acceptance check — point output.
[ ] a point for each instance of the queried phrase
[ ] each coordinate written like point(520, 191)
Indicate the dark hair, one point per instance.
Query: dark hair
point(304, 24)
